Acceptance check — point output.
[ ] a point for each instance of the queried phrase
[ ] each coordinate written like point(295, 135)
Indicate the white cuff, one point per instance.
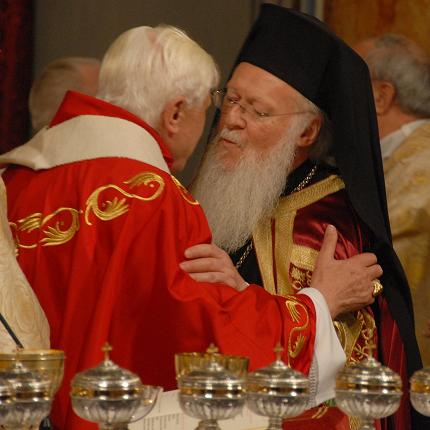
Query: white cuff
point(329, 356)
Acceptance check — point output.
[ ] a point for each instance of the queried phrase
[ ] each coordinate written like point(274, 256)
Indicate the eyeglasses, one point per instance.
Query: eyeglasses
point(224, 101)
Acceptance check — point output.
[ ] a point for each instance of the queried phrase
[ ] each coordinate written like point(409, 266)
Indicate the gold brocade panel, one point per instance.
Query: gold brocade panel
point(286, 267)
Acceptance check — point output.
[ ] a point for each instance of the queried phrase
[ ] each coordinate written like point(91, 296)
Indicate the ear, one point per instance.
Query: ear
point(384, 94)
point(311, 132)
point(172, 115)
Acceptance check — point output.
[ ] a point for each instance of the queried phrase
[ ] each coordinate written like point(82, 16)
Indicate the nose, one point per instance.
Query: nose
point(233, 117)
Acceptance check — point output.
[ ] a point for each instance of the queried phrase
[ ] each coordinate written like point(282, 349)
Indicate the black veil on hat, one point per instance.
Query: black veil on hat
point(303, 52)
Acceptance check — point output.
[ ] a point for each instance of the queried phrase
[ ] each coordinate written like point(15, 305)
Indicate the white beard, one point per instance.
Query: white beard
point(236, 198)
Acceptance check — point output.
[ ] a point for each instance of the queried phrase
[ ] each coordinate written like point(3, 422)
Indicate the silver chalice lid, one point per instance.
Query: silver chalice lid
point(368, 390)
point(277, 377)
point(106, 379)
point(369, 375)
point(207, 390)
point(6, 390)
point(47, 362)
point(7, 397)
point(420, 381)
point(277, 392)
point(31, 400)
point(110, 395)
point(27, 383)
point(420, 391)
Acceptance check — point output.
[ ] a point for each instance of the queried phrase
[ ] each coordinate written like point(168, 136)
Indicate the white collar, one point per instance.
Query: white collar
point(87, 137)
point(393, 140)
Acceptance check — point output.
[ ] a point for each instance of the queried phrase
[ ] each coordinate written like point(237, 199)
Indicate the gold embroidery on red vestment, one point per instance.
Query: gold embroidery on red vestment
point(60, 226)
point(184, 192)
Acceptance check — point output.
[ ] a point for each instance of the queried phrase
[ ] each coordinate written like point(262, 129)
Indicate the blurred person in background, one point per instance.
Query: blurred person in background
point(50, 86)
point(400, 73)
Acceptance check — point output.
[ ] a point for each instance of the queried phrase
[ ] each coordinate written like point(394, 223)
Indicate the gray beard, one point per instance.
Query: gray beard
point(235, 199)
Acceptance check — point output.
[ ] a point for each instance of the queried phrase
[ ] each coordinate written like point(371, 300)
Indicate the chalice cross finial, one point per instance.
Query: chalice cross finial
point(107, 348)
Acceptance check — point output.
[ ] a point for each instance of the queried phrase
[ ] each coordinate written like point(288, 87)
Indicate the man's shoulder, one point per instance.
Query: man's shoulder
point(312, 209)
point(417, 143)
point(319, 190)
point(409, 165)
point(86, 176)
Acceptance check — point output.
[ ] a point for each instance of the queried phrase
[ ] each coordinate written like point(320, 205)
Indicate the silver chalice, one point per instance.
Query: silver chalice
point(209, 392)
point(111, 396)
point(31, 399)
point(369, 391)
point(420, 391)
point(277, 392)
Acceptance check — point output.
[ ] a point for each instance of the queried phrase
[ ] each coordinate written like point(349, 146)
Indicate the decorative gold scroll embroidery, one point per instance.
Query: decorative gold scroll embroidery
point(110, 210)
point(348, 328)
point(54, 235)
point(300, 278)
point(367, 336)
point(184, 192)
point(57, 233)
point(296, 346)
point(315, 414)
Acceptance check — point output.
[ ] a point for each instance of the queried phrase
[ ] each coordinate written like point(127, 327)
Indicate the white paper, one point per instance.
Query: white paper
point(168, 415)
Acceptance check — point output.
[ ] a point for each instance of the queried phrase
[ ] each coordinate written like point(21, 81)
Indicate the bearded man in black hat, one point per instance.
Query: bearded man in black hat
point(296, 149)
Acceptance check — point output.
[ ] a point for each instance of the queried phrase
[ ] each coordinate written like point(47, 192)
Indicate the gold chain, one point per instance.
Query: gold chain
point(305, 181)
point(244, 255)
point(299, 187)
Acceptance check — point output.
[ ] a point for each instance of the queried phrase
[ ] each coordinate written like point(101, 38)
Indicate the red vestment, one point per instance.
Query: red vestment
point(100, 240)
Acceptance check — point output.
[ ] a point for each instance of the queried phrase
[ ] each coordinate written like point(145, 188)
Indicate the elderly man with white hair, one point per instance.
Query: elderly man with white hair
point(102, 227)
point(400, 72)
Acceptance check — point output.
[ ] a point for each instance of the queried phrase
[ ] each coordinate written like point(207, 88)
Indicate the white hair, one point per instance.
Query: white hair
point(398, 60)
point(146, 67)
point(50, 86)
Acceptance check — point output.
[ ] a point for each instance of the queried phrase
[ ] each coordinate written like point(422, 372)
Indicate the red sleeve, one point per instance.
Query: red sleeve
point(190, 315)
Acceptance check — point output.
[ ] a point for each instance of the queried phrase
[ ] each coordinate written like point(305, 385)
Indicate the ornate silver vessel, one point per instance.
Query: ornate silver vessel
point(7, 397)
point(47, 362)
point(111, 396)
point(369, 391)
point(210, 393)
point(277, 392)
point(420, 391)
point(31, 400)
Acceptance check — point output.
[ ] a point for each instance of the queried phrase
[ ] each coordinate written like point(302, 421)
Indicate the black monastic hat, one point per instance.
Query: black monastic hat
point(303, 52)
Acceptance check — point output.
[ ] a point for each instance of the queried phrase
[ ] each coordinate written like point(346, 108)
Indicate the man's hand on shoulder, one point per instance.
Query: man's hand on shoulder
point(347, 285)
point(208, 263)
